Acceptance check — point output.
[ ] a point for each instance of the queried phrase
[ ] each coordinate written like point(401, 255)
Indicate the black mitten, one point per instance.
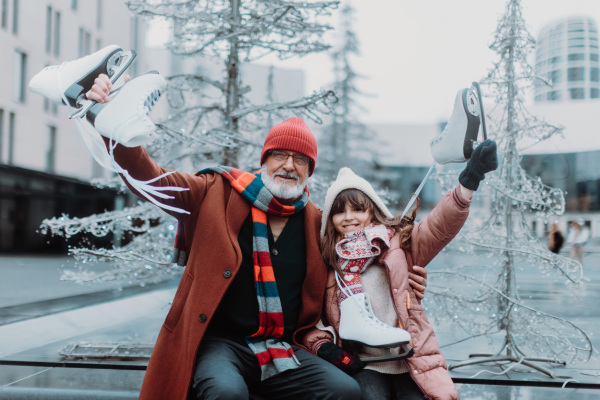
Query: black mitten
point(340, 358)
point(484, 159)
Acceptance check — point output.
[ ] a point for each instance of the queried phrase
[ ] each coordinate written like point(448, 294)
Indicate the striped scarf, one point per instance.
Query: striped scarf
point(357, 251)
point(274, 355)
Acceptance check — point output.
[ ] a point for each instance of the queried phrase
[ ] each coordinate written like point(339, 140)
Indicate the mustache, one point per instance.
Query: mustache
point(291, 175)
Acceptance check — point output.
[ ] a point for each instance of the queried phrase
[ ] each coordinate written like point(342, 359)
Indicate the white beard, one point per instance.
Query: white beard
point(282, 191)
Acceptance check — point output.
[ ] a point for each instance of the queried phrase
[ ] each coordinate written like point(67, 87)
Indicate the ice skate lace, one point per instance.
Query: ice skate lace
point(151, 100)
point(95, 145)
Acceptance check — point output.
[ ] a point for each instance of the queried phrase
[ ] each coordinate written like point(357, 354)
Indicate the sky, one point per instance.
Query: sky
point(416, 54)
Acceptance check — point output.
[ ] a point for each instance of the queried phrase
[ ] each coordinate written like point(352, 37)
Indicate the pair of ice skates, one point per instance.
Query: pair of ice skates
point(125, 118)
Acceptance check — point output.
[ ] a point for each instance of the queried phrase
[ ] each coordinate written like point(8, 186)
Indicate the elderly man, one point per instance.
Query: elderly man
point(254, 280)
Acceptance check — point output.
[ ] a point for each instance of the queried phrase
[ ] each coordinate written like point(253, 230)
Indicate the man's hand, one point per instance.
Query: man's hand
point(101, 89)
point(418, 281)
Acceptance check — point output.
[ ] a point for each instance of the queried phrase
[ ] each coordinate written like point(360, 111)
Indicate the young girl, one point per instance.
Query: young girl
point(372, 253)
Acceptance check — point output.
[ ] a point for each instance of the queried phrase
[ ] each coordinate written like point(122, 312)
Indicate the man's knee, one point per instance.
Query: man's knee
point(219, 389)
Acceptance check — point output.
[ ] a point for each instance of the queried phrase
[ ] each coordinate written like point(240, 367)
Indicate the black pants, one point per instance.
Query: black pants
point(228, 370)
point(377, 386)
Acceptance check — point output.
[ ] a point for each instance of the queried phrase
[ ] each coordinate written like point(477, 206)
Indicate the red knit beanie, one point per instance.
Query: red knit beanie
point(292, 135)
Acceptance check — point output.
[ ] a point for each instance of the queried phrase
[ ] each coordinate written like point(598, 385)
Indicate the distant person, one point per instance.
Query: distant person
point(555, 238)
point(578, 237)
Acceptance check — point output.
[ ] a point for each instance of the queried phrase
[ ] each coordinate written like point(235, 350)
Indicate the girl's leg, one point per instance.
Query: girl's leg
point(373, 385)
point(404, 388)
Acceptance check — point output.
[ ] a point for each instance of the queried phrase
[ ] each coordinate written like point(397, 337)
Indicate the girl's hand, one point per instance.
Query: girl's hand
point(418, 281)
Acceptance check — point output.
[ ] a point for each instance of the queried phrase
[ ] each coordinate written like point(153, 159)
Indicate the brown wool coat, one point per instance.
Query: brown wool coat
point(427, 366)
point(216, 216)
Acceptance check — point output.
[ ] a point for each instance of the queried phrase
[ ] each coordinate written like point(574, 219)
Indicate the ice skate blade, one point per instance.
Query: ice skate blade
point(380, 346)
point(119, 65)
point(481, 111)
point(406, 353)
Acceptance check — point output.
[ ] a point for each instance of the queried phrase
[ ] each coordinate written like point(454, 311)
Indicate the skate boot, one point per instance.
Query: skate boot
point(124, 119)
point(71, 80)
point(358, 324)
point(457, 141)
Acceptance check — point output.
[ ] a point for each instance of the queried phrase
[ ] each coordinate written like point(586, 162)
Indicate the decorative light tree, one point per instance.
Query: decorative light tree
point(490, 302)
point(211, 120)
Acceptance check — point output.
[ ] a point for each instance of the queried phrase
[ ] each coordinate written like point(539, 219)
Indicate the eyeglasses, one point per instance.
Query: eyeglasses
point(299, 159)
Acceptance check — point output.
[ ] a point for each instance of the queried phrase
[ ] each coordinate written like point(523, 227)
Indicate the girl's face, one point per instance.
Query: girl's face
point(350, 219)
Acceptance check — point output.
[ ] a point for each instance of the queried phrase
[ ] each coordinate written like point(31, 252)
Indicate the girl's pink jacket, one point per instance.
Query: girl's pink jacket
point(427, 366)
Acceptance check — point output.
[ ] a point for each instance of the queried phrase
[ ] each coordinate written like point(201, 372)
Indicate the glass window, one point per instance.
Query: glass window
point(594, 93)
point(57, 34)
point(48, 29)
point(85, 39)
point(1, 135)
point(51, 150)
point(15, 21)
point(576, 74)
point(593, 57)
point(554, 95)
point(11, 137)
point(555, 76)
point(4, 16)
point(74, 5)
point(99, 14)
point(556, 60)
point(576, 56)
point(577, 93)
point(594, 74)
point(20, 74)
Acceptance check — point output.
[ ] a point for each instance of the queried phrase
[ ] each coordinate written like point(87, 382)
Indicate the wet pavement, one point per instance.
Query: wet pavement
point(31, 367)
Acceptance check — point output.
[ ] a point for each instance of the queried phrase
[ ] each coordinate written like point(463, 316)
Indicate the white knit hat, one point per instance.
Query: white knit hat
point(347, 179)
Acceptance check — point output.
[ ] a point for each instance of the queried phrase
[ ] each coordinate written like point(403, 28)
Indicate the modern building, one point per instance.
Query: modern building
point(567, 55)
point(45, 169)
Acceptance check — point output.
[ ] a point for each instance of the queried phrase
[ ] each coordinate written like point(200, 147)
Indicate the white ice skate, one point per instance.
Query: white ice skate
point(71, 80)
point(456, 143)
point(124, 119)
point(358, 324)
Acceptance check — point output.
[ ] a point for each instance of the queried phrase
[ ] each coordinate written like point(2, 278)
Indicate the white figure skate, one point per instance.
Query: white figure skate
point(457, 141)
point(358, 324)
point(124, 119)
point(71, 80)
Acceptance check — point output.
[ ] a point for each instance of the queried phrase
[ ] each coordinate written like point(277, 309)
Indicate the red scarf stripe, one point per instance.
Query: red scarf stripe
point(281, 209)
point(273, 318)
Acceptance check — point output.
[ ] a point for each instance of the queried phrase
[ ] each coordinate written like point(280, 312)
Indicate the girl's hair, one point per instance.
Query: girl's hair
point(358, 199)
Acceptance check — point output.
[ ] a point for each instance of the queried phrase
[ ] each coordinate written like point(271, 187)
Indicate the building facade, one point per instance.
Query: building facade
point(567, 55)
point(45, 168)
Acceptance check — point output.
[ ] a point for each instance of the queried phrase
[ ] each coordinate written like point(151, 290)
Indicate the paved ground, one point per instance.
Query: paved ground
point(31, 367)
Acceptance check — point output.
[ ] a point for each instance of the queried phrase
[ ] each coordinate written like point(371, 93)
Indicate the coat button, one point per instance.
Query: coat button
point(202, 317)
point(227, 273)
point(275, 252)
point(395, 290)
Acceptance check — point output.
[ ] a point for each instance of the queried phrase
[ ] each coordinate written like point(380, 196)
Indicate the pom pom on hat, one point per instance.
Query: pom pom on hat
point(293, 135)
point(347, 179)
